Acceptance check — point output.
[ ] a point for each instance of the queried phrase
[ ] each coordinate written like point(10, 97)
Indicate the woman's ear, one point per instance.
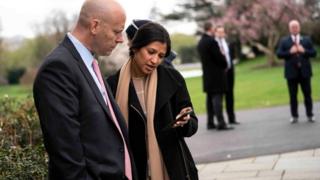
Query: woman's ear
point(134, 51)
point(129, 43)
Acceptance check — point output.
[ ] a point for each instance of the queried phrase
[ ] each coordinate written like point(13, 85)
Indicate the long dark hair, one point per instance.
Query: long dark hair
point(148, 33)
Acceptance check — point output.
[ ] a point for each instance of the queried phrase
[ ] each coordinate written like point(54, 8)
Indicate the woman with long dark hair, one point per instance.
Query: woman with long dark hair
point(157, 108)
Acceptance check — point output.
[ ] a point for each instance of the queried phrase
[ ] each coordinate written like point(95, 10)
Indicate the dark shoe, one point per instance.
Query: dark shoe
point(234, 122)
point(224, 128)
point(293, 120)
point(311, 119)
point(211, 126)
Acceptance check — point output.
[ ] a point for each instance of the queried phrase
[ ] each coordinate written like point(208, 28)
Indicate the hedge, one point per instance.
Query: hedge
point(22, 154)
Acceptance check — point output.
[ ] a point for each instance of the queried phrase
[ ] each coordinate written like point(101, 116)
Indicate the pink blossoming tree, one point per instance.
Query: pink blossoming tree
point(254, 20)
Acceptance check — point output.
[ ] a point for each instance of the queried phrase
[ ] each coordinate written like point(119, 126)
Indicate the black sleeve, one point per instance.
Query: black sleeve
point(283, 52)
point(55, 94)
point(183, 100)
point(309, 49)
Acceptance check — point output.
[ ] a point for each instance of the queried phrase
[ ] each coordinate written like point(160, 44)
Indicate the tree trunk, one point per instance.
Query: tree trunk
point(269, 50)
point(273, 38)
point(271, 59)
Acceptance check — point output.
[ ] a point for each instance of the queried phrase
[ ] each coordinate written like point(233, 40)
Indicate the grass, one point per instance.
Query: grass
point(18, 91)
point(256, 88)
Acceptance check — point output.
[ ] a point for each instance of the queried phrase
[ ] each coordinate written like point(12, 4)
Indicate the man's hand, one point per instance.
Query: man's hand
point(300, 49)
point(294, 49)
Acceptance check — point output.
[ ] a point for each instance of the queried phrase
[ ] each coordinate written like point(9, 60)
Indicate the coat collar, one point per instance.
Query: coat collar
point(167, 86)
point(289, 38)
point(68, 44)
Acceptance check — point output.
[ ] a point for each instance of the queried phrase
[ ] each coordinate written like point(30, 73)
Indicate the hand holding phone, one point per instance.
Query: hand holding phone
point(181, 115)
point(180, 121)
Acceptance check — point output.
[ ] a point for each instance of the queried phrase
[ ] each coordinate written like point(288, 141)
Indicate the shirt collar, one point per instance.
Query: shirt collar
point(84, 52)
point(297, 36)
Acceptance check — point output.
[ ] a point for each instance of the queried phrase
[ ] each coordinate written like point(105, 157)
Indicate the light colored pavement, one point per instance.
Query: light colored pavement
point(263, 131)
point(299, 165)
point(254, 137)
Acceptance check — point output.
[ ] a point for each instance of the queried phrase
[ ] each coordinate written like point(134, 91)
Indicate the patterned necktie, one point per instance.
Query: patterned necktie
point(127, 160)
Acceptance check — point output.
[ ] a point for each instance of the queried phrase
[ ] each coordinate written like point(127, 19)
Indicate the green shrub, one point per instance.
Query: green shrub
point(188, 54)
point(14, 75)
point(22, 154)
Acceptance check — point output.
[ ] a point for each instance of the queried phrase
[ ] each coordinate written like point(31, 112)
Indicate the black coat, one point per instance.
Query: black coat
point(292, 60)
point(214, 65)
point(172, 96)
point(80, 137)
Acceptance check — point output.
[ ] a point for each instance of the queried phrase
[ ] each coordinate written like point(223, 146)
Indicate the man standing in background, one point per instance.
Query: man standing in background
point(214, 77)
point(220, 36)
point(296, 50)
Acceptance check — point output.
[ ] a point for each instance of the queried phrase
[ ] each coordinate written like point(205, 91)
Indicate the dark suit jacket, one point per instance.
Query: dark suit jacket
point(293, 61)
point(80, 137)
point(172, 96)
point(213, 65)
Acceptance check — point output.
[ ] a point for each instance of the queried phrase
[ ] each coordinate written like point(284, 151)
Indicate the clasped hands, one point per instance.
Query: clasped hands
point(297, 49)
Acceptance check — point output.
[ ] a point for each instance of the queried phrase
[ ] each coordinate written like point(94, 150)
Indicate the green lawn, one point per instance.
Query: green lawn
point(255, 88)
point(18, 91)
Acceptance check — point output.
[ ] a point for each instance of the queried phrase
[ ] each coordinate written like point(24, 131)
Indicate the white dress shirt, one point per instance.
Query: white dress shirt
point(223, 44)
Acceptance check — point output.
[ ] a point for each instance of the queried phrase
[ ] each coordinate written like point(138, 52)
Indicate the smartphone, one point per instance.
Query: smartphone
point(180, 116)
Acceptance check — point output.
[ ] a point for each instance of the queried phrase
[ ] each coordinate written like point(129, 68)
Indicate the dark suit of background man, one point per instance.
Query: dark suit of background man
point(84, 133)
point(214, 76)
point(220, 36)
point(296, 51)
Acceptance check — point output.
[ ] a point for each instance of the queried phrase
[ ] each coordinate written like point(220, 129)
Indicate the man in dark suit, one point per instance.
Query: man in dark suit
point(214, 76)
point(84, 132)
point(296, 51)
point(229, 97)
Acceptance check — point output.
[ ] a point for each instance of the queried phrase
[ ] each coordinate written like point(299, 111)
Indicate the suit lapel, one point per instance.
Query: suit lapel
point(68, 44)
point(94, 87)
point(290, 40)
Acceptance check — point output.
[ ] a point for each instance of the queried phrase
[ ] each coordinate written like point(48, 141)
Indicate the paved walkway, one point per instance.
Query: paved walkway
point(265, 146)
point(262, 132)
point(300, 165)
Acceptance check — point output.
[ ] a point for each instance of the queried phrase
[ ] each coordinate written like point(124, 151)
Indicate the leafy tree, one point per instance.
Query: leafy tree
point(55, 26)
point(250, 20)
point(32, 51)
point(313, 26)
point(50, 32)
point(257, 19)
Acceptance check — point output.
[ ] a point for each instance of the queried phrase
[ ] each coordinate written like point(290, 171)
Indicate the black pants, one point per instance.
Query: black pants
point(229, 97)
point(214, 108)
point(305, 84)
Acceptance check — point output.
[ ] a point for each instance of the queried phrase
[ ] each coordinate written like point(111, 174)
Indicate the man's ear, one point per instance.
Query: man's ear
point(94, 25)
